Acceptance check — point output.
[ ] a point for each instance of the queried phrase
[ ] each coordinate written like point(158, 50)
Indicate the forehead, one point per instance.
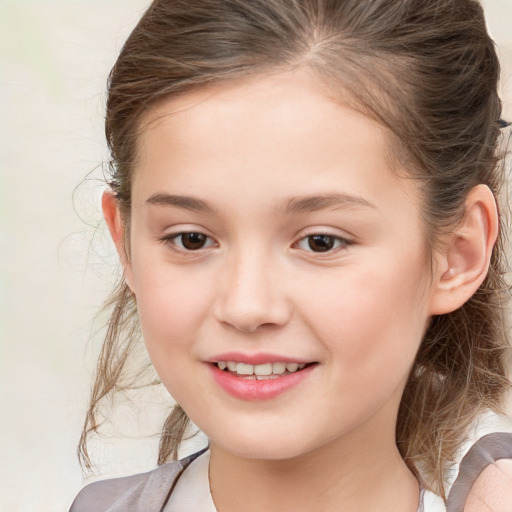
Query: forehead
point(277, 133)
point(294, 103)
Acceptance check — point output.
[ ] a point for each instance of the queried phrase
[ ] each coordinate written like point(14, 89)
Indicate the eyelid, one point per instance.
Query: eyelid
point(326, 231)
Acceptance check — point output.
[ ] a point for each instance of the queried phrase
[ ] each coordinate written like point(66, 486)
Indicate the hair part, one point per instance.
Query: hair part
point(428, 72)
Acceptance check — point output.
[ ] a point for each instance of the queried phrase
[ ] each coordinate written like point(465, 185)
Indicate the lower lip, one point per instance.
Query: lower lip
point(253, 389)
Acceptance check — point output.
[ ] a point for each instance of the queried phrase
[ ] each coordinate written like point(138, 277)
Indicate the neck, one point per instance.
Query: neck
point(360, 471)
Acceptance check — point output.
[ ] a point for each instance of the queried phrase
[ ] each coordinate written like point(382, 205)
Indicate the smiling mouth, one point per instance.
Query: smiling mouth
point(265, 371)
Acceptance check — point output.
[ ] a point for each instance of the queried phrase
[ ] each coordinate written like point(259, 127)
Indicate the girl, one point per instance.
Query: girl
point(303, 201)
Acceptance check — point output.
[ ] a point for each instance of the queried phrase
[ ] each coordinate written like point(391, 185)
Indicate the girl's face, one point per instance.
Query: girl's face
point(269, 232)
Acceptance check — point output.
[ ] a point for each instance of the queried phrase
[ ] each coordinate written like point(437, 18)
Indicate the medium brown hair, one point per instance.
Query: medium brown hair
point(428, 72)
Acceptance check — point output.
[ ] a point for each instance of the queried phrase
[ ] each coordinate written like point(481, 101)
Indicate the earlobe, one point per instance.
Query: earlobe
point(116, 228)
point(464, 262)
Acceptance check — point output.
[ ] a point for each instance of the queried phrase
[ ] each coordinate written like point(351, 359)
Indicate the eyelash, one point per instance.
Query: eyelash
point(170, 241)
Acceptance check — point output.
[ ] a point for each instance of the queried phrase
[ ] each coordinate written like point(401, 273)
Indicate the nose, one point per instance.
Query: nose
point(251, 294)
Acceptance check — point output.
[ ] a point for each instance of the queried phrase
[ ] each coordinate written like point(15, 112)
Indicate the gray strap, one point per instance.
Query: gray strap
point(145, 492)
point(485, 451)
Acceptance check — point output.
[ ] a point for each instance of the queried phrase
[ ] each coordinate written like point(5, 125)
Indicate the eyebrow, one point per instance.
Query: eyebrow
point(309, 204)
point(184, 202)
point(303, 204)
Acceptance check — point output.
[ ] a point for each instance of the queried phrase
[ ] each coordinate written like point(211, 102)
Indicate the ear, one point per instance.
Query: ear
point(116, 227)
point(464, 262)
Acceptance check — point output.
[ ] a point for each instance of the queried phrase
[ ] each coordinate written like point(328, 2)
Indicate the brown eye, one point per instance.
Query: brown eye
point(322, 243)
point(192, 241)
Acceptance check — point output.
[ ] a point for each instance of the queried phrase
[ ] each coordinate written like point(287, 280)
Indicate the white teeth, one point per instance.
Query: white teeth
point(278, 368)
point(260, 370)
point(263, 369)
point(244, 369)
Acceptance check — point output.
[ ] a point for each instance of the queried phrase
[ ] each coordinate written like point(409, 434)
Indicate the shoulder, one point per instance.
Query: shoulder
point(492, 489)
point(128, 493)
point(484, 482)
point(144, 492)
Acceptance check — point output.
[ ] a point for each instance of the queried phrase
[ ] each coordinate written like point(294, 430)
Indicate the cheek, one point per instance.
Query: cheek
point(170, 312)
point(372, 319)
point(171, 303)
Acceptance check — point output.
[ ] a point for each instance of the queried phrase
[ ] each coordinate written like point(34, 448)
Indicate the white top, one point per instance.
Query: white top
point(192, 491)
point(432, 503)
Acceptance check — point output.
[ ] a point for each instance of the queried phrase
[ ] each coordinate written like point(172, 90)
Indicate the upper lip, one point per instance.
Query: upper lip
point(259, 358)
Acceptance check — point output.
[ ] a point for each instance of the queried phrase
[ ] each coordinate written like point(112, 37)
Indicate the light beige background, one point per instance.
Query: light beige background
point(56, 262)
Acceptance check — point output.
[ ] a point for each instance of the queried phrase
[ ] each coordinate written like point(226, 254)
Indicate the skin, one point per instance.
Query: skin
point(359, 311)
point(492, 492)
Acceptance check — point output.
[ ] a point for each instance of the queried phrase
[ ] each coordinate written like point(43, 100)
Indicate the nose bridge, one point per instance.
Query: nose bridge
point(250, 294)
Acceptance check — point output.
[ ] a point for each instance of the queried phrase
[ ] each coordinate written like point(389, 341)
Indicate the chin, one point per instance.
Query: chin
point(263, 445)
